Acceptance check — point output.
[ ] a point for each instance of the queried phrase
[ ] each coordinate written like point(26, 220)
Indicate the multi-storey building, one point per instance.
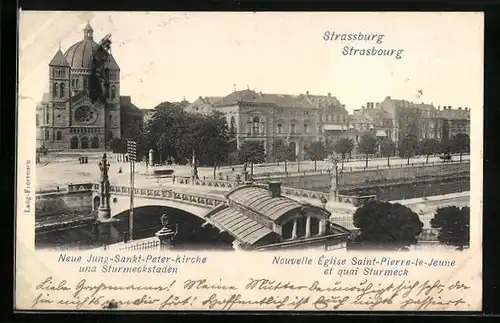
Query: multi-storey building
point(420, 120)
point(131, 118)
point(454, 121)
point(82, 109)
point(265, 117)
point(203, 105)
point(68, 117)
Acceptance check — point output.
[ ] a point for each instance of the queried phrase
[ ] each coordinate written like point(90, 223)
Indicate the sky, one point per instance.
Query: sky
point(170, 56)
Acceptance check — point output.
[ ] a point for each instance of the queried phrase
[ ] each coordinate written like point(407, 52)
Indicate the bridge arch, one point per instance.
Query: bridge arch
point(191, 231)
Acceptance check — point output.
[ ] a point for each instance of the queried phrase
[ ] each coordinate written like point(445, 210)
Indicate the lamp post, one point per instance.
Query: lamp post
point(335, 182)
point(104, 220)
point(165, 235)
point(132, 152)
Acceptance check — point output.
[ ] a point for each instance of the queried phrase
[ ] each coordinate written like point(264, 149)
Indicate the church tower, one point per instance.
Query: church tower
point(49, 114)
point(69, 117)
point(113, 115)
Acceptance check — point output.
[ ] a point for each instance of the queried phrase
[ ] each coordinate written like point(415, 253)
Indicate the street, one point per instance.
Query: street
point(52, 172)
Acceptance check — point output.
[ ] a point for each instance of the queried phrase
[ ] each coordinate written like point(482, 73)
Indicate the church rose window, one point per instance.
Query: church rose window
point(85, 114)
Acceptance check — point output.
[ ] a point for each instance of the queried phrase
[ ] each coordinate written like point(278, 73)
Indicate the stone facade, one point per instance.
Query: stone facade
point(454, 121)
point(68, 118)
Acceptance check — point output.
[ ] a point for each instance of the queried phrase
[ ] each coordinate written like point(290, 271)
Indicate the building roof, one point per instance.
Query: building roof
point(126, 103)
point(250, 96)
point(323, 100)
point(112, 64)
point(454, 114)
point(59, 60)
point(81, 53)
point(242, 227)
point(360, 118)
point(258, 199)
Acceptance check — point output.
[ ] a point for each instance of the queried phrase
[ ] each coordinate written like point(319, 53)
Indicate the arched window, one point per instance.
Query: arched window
point(256, 125)
point(47, 134)
point(280, 128)
point(95, 143)
point(232, 127)
point(306, 128)
point(77, 84)
point(84, 82)
point(56, 89)
point(73, 143)
point(113, 92)
point(58, 135)
point(85, 142)
point(61, 90)
point(249, 127)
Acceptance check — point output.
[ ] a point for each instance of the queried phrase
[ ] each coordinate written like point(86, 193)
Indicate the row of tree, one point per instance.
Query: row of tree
point(177, 136)
point(394, 226)
point(408, 147)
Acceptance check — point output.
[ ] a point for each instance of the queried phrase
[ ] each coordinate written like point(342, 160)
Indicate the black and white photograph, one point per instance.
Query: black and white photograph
point(274, 132)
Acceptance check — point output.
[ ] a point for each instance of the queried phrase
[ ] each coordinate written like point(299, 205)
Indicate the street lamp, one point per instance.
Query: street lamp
point(335, 172)
point(166, 235)
point(104, 220)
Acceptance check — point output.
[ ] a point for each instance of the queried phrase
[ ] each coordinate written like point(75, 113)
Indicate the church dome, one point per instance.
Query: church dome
point(79, 55)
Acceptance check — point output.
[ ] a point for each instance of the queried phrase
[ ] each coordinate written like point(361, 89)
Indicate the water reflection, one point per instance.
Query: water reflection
point(190, 232)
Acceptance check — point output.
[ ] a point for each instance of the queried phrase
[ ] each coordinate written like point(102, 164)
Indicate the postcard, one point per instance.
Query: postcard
point(255, 161)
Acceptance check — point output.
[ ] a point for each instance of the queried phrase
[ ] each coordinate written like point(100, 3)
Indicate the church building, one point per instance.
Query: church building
point(72, 116)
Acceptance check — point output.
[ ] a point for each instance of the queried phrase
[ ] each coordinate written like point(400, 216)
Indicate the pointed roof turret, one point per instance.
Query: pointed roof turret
point(88, 32)
point(59, 60)
point(112, 65)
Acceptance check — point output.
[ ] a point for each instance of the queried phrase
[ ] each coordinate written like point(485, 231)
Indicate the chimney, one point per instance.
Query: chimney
point(449, 107)
point(307, 92)
point(260, 93)
point(377, 104)
point(387, 97)
point(459, 108)
point(275, 188)
point(439, 108)
point(329, 94)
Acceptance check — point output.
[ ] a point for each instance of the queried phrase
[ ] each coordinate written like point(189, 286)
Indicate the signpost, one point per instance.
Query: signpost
point(132, 156)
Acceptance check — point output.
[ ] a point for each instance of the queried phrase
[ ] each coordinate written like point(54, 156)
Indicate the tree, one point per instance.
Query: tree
point(386, 225)
point(279, 150)
point(173, 133)
point(367, 146)
point(429, 147)
point(343, 146)
point(460, 143)
point(454, 226)
point(252, 152)
point(119, 146)
point(408, 147)
point(387, 149)
point(317, 151)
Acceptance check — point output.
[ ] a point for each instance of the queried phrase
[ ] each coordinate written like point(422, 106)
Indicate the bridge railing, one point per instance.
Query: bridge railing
point(144, 244)
point(164, 194)
point(208, 182)
point(69, 188)
point(297, 192)
point(352, 169)
point(356, 200)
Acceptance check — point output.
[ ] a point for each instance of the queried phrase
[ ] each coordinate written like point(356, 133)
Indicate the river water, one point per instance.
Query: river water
point(190, 233)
